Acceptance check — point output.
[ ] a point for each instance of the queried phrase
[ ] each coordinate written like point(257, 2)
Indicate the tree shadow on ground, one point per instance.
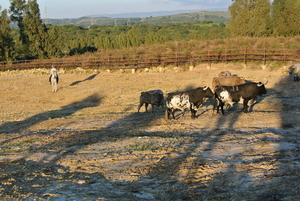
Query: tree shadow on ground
point(22, 126)
point(176, 172)
point(276, 166)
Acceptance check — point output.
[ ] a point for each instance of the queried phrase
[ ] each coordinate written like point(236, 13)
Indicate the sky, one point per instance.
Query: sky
point(79, 8)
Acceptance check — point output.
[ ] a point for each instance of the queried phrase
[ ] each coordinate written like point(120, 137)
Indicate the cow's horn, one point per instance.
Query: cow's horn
point(260, 83)
point(266, 82)
point(205, 87)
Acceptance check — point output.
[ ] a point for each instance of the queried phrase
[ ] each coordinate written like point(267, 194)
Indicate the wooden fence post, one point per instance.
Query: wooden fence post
point(284, 58)
point(265, 57)
point(226, 62)
point(245, 57)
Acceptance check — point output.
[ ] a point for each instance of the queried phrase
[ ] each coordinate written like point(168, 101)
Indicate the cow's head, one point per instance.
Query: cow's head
point(261, 87)
point(291, 69)
point(156, 98)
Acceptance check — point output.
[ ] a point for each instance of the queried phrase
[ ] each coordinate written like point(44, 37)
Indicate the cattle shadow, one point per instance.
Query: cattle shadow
point(86, 79)
point(201, 111)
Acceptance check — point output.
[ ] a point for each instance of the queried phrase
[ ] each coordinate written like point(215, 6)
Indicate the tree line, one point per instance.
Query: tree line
point(35, 40)
point(261, 18)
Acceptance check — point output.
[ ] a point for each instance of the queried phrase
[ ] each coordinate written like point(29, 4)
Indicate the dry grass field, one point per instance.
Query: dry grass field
point(87, 141)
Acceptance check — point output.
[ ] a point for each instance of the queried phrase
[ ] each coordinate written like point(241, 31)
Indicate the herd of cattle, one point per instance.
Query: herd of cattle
point(227, 89)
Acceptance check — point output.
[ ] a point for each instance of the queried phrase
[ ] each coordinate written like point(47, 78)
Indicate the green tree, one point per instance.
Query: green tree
point(155, 38)
point(103, 42)
point(17, 8)
point(6, 41)
point(249, 18)
point(286, 17)
point(134, 37)
point(150, 38)
point(55, 42)
point(122, 40)
point(35, 30)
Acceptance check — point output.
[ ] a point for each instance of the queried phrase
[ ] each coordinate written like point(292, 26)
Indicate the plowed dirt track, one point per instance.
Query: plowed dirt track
point(87, 141)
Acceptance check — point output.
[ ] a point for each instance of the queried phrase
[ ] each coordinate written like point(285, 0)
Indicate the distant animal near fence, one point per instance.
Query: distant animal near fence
point(146, 60)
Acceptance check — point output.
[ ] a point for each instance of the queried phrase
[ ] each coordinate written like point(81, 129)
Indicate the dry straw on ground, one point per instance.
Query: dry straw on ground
point(87, 141)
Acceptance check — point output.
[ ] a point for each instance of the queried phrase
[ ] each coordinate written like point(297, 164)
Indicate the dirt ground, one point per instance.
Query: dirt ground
point(87, 141)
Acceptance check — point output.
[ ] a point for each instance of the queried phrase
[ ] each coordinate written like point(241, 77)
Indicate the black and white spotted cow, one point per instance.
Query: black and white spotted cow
point(190, 99)
point(244, 93)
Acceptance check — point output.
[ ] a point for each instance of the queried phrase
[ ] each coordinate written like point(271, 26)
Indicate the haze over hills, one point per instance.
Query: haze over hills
point(179, 16)
point(152, 14)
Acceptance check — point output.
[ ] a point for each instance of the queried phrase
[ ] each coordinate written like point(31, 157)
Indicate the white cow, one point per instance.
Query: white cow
point(53, 79)
point(295, 70)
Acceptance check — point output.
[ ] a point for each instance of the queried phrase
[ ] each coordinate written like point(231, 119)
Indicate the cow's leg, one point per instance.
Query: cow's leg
point(152, 106)
point(221, 105)
point(167, 114)
point(215, 104)
point(246, 105)
point(141, 104)
point(193, 113)
point(173, 113)
point(251, 103)
point(146, 106)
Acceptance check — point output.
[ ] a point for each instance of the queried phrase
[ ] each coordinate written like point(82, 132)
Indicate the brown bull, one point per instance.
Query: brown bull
point(227, 81)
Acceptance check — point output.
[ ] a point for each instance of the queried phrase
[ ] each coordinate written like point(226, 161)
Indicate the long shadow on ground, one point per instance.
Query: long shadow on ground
point(153, 164)
point(87, 79)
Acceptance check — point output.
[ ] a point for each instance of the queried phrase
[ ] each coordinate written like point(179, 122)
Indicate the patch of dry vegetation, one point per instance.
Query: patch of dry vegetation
point(193, 46)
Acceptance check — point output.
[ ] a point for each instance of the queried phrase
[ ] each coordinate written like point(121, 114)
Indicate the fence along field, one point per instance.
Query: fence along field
point(145, 60)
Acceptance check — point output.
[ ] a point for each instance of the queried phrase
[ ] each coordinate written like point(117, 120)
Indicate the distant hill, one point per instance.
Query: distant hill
point(150, 14)
point(142, 14)
point(135, 19)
